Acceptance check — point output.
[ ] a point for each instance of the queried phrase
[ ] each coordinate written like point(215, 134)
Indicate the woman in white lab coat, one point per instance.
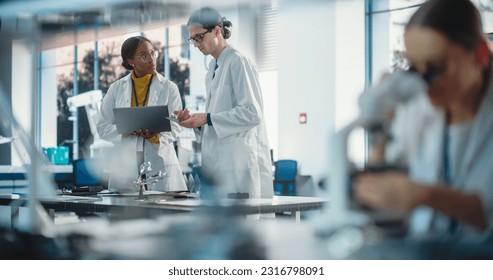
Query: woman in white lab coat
point(142, 87)
point(235, 148)
point(446, 136)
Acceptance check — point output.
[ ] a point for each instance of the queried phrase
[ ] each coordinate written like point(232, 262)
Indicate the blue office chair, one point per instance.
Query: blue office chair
point(285, 176)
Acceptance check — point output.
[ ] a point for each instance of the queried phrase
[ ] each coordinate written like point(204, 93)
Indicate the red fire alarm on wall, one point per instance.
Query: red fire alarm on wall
point(302, 118)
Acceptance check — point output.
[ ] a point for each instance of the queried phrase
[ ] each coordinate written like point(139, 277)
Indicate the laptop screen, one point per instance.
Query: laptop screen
point(130, 119)
point(84, 173)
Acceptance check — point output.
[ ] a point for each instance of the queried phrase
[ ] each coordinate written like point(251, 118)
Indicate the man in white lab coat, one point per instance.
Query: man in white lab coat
point(235, 148)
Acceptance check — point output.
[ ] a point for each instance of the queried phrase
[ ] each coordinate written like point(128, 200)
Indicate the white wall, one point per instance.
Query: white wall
point(306, 76)
point(321, 73)
point(350, 74)
point(49, 100)
point(269, 83)
point(22, 94)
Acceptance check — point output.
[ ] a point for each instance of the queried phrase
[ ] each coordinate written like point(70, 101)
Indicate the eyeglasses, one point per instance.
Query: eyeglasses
point(199, 37)
point(147, 57)
point(431, 74)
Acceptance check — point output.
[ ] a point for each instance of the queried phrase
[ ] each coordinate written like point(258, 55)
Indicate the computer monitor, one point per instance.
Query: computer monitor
point(85, 173)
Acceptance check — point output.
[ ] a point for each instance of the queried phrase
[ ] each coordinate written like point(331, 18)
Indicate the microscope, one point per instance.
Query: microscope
point(142, 180)
point(376, 104)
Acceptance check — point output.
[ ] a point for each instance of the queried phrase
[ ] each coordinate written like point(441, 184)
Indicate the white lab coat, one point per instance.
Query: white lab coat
point(418, 141)
point(235, 149)
point(162, 156)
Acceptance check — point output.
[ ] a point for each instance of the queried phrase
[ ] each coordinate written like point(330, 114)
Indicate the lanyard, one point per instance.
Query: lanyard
point(447, 168)
point(447, 175)
point(135, 93)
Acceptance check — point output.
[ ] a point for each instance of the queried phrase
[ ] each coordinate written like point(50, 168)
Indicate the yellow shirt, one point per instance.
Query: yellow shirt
point(140, 86)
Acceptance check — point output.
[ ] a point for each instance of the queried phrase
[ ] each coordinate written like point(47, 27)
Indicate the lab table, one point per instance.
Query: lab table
point(126, 207)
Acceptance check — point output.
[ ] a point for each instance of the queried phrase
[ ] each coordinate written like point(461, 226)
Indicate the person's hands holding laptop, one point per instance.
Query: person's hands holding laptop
point(145, 134)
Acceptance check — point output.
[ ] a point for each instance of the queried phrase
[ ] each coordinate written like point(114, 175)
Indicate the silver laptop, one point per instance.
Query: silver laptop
point(130, 119)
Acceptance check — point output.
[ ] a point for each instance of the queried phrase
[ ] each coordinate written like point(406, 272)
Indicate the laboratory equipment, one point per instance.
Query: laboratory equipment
point(375, 104)
point(91, 101)
point(39, 181)
point(142, 180)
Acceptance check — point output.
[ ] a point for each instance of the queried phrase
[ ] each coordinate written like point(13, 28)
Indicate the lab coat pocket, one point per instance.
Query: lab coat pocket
point(236, 153)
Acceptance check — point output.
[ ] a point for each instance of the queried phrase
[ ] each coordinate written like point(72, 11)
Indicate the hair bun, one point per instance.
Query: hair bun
point(226, 22)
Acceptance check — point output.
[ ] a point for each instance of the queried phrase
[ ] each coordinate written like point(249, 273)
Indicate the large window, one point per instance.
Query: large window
point(387, 22)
